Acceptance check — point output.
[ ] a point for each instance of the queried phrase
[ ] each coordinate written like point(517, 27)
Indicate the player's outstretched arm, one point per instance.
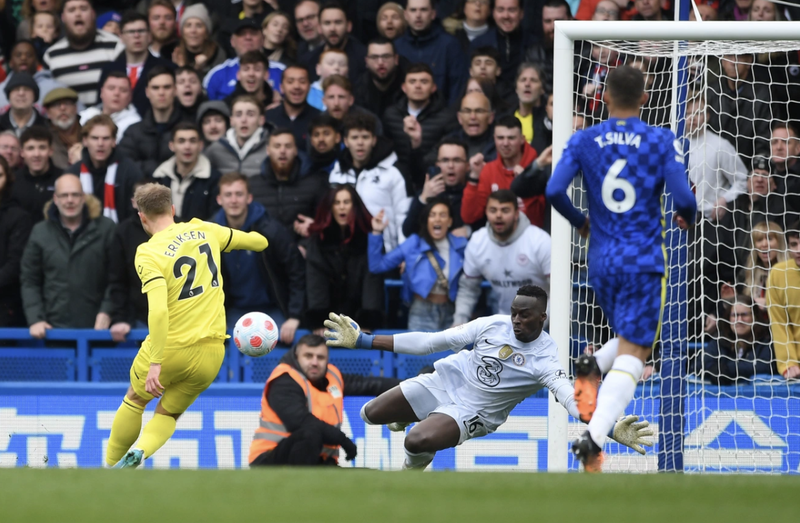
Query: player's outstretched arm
point(344, 332)
point(248, 241)
point(556, 191)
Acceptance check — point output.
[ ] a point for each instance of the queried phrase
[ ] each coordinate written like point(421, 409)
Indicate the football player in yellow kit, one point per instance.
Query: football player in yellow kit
point(182, 355)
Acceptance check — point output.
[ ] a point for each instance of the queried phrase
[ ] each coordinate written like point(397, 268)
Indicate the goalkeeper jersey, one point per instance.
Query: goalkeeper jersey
point(185, 258)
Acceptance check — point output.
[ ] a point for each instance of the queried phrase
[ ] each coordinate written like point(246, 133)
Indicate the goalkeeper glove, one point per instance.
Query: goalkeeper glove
point(344, 332)
point(631, 432)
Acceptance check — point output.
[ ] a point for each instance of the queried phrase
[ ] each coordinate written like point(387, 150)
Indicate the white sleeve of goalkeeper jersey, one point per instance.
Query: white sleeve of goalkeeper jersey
point(555, 378)
point(455, 339)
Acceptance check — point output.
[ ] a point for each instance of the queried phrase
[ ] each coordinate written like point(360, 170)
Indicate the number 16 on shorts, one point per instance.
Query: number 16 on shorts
point(475, 427)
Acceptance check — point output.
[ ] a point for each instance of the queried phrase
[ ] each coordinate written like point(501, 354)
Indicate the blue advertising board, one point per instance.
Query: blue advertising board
point(67, 425)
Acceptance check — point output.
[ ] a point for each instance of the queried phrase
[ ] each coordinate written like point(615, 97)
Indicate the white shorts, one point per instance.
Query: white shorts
point(427, 395)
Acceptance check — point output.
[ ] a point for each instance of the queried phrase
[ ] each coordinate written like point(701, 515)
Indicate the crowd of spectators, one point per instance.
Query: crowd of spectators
point(369, 140)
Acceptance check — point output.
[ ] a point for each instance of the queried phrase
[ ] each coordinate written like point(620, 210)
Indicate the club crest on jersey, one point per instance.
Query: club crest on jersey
point(522, 259)
point(505, 352)
point(335, 392)
point(518, 359)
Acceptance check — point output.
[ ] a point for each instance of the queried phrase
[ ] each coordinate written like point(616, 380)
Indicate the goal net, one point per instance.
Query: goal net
point(730, 92)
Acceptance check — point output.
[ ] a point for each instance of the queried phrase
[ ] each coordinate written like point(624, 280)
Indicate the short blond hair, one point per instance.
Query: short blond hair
point(153, 199)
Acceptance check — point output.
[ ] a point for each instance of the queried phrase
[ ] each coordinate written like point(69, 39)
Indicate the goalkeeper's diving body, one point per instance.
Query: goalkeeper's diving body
point(182, 355)
point(626, 166)
point(472, 392)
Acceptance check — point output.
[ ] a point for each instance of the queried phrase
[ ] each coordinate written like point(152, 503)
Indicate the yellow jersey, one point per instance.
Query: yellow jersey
point(185, 258)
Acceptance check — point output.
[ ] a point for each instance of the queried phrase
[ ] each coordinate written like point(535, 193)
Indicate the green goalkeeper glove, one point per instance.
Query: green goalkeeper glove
point(631, 432)
point(344, 332)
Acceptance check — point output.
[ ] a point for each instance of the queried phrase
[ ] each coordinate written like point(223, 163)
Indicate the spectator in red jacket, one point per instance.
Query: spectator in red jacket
point(514, 156)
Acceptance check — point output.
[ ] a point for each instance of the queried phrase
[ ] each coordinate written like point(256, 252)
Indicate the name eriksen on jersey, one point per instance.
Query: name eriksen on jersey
point(619, 138)
point(172, 248)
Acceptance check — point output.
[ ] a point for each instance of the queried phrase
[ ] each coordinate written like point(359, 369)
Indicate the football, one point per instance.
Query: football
point(255, 334)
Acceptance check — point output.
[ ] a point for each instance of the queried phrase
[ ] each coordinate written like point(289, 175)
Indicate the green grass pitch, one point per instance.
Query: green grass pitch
point(352, 496)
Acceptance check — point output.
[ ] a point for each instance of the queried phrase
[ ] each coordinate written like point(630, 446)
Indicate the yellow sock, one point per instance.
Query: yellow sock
point(157, 431)
point(124, 431)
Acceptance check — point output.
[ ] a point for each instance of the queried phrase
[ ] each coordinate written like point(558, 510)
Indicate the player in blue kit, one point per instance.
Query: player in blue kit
point(626, 165)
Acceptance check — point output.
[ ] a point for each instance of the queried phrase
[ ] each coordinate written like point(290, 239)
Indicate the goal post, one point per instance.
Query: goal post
point(679, 42)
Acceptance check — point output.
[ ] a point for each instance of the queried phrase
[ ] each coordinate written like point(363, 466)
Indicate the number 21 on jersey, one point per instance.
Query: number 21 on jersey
point(177, 271)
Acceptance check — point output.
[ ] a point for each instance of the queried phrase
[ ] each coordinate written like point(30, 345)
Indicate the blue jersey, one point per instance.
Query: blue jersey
point(625, 165)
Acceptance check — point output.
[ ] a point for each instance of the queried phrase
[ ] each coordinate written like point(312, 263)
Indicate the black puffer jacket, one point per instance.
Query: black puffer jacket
point(145, 145)
point(299, 194)
point(436, 120)
point(15, 227)
point(33, 192)
point(127, 301)
point(127, 176)
point(338, 279)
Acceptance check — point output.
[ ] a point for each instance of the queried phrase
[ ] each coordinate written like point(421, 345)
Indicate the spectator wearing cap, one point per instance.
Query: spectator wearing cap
point(221, 80)
point(62, 111)
point(23, 59)
point(34, 181)
point(103, 171)
point(427, 42)
point(115, 101)
point(213, 118)
point(22, 92)
point(77, 60)
point(253, 66)
point(137, 60)
point(251, 10)
point(197, 48)
point(110, 22)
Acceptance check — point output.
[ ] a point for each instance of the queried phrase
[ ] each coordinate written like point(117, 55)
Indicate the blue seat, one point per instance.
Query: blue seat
point(407, 366)
point(111, 365)
point(42, 364)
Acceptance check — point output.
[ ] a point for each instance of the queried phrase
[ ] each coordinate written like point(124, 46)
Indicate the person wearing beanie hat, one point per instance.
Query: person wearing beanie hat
point(110, 22)
point(391, 20)
point(22, 92)
point(197, 49)
point(213, 118)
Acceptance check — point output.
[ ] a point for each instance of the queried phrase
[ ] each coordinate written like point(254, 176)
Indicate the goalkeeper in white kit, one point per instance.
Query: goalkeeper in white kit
point(472, 392)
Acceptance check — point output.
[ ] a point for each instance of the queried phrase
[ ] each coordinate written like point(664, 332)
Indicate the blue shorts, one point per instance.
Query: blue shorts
point(632, 303)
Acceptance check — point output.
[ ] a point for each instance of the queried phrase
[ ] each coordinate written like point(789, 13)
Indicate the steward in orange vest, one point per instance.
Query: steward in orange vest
point(302, 408)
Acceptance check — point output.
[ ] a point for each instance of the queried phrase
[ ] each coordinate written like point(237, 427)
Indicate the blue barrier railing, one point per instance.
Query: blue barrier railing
point(84, 355)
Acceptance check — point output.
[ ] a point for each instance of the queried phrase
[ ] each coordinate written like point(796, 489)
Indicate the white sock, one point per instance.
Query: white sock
point(606, 355)
point(364, 414)
point(615, 394)
point(417, 460)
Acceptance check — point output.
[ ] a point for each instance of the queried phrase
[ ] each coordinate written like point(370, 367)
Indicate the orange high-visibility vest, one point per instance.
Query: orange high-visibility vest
point(327, 405)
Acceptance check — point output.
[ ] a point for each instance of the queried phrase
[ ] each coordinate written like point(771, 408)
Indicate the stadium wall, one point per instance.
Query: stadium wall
point(67, 425)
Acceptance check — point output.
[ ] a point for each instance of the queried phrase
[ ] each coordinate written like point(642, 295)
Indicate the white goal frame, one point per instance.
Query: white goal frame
point(566, 33)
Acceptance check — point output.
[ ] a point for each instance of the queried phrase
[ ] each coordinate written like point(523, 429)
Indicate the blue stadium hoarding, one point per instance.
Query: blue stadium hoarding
point(67, 425)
